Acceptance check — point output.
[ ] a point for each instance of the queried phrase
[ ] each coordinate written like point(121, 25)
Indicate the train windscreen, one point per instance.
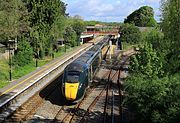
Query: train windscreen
point(73, 76)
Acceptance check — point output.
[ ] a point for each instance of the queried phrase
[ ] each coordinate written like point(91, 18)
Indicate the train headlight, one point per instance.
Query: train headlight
point(80, 86)
point(63, 84)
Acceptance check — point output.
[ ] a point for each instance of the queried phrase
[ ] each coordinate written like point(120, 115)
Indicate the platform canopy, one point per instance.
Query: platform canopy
point(86, 36)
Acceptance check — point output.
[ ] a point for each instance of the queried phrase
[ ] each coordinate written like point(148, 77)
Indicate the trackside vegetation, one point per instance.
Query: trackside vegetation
point(154, 78)
point(37, 25)
point(130, 34)
point(143, 17)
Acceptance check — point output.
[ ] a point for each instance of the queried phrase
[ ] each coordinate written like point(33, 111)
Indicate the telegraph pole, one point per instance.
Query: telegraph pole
point(10, 47)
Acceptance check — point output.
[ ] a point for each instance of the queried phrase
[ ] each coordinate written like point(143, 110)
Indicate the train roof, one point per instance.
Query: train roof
point(76, 66)
point(83, 61)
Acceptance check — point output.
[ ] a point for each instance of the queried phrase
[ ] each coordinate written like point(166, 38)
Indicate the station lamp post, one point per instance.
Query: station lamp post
point(119, 40)
point(11, 47)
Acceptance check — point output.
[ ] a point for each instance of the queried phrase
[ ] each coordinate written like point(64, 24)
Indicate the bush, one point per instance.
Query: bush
point(70, 36)
point(147, 62)
point(143, 17)
point(4, 70)
point(130, 34)
point(24, 54)
point(154, 101)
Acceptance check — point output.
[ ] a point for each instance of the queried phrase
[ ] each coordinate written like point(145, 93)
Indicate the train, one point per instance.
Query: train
point(78, 75)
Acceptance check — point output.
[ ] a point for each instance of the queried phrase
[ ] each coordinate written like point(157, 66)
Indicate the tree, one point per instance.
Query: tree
point(92, 23)
point(44, 20)
point(70, 36)
point(142, 17)
point(24, 53)
point(147, 62)
point(13, 19)
point(154, 101)
point(59, 23)
point(130, 34)
point(156, 38)
point(171, 29)
point(78, 26)
point(153, 95)
point(77, 17)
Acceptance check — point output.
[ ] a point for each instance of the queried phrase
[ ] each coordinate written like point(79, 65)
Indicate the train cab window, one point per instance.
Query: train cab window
point(73, 77)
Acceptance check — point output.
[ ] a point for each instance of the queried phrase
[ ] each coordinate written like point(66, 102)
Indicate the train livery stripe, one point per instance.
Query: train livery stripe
point(71, 90)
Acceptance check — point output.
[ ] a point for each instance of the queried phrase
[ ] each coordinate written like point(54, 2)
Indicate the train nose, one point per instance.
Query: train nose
point(71, 90)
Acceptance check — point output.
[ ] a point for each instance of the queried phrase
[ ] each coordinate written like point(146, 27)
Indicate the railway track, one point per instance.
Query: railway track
point(77, 113)
point(27, 110)
point(81, 112)
point(106, 97)
point(101, 103)
point(24, 91)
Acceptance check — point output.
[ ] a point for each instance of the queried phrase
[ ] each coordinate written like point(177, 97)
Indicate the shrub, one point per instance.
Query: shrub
point(130, 34)
point(24, 54)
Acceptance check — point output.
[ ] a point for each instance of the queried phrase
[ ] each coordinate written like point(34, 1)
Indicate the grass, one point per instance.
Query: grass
point(21, 71)
point(4, 73)
point(62, 51)
point(126, 46)
point(3, 83)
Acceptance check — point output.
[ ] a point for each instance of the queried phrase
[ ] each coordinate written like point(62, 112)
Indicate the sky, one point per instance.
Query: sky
point(109, 10)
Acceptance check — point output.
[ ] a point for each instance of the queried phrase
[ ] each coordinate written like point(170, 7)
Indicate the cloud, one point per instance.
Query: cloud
point(153, 1)
point(108, 10)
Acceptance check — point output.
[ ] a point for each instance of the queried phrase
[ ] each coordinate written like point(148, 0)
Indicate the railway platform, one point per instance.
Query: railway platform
point(39, 76)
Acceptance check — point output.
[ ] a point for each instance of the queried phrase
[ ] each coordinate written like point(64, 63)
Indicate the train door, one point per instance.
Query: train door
point(100, 58)
point(90, 75)
point(86, 78)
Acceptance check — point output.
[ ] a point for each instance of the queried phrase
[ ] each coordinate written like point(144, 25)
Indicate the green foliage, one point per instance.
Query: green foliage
point(46, 18)
point(154, 100)
point(171, 28)
point(13, 21)
point(78, 26)
point(92, 23)
point(42, 22)
point(70, 36)
point(130, 34)
point(170, 20)
point(23, 70)
point(156, 38)
point(142, 17)
point(4, 68)
point(27, 68)
point(58, 27)
point(153, 85)
point(3, 83)
point(4, 73)
point(147, 62)
point(24, 54)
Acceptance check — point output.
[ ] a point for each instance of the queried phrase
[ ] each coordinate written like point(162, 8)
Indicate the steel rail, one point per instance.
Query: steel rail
point(4, 107)
point(92, 105)
point(112, 108)
point(72, 114)
point(29, 106)
point(106, 99)
point(109, 84)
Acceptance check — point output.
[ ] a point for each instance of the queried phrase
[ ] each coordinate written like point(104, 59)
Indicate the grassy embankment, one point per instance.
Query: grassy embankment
point(21, 71)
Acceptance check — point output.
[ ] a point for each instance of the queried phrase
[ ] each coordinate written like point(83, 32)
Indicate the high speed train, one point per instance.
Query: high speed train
point(79, 74)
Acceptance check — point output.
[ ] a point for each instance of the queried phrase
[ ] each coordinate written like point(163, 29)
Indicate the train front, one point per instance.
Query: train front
point(73, 86)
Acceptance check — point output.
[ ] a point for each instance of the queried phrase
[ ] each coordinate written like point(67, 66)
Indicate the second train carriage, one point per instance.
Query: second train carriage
point(78, 74)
